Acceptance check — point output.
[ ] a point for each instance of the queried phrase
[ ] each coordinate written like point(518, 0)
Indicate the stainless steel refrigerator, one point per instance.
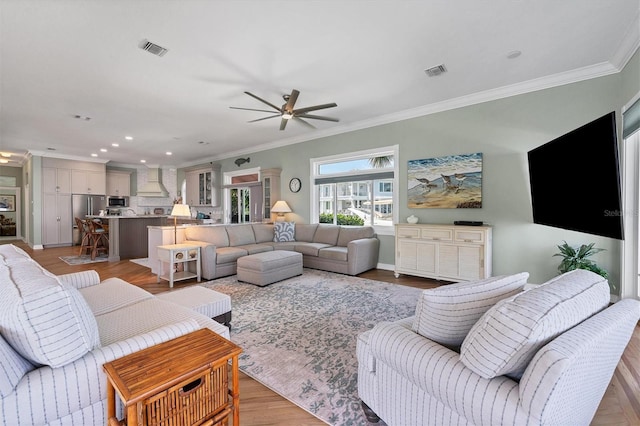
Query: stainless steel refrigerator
point(83, 205)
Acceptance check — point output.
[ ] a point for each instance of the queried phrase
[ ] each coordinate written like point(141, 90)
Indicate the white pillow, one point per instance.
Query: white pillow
point(447, 313)
point(44, 320)
point(284, 232)
point(13, 368)
point(508, 335)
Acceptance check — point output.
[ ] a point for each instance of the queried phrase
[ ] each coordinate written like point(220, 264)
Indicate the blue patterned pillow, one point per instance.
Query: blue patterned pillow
point(284, 231)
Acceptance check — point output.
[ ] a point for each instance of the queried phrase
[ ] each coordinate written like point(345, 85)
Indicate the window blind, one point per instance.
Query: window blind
point(354, 178)
point(631, 120)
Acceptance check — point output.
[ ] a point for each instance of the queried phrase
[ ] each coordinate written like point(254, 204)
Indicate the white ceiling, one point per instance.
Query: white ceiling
point(64, 58)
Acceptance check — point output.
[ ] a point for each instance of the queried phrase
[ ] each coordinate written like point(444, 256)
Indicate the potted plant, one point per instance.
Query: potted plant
point(578, 259)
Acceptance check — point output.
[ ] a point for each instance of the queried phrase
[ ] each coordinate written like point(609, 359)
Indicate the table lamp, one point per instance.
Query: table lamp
point(179, 210)
point(280, 208)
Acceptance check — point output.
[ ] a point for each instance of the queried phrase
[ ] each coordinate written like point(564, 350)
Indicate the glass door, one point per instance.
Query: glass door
point(240, 205)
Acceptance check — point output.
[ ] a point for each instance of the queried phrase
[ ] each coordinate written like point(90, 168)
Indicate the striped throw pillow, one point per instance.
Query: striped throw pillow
point(508, 335)
point(447, 313)
point(44, 320)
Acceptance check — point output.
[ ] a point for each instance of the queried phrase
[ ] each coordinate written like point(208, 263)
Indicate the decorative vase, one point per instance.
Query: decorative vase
point(412, 219)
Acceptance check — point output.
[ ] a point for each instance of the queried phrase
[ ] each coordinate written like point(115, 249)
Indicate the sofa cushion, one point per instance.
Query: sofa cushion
point(446, 314)
point(327, 234)
point(256, 248)
point(334, 253)
point(240, 235)
point(310, 249)
point(229, 254)
point(112, 294)
point(216, 235)
point(350, 233)
point(13, 368)
point(284, 232)
point(509, 334)
point(44, 320)
point(263, 233)
point(305, 232)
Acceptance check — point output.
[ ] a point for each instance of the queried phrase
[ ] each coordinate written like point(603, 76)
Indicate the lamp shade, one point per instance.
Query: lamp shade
point(180, 210)
point(281, 207)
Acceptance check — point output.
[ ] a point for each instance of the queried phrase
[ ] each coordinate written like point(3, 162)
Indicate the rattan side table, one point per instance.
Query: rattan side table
point(183, 381)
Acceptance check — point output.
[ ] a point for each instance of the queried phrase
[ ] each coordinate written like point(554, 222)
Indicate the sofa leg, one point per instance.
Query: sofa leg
point(369, 414)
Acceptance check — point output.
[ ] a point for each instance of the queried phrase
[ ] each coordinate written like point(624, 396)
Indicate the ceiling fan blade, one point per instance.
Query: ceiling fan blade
point(263, 101)
point(293, 97)
point(264, 118)
point(317, 117)
point(251, 109)
point(304, 122)
point(314, 108)
point(283, 123)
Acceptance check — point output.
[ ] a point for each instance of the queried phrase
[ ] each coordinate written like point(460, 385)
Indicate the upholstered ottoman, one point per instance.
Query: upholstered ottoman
point(203, 300)
point(270, 266)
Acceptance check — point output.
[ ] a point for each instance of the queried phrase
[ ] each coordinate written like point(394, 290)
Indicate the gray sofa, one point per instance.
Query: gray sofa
point(336, 248)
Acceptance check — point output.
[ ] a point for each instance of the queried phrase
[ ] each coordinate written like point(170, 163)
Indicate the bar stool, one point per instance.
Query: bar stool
point(99, 238)
point(86, 243)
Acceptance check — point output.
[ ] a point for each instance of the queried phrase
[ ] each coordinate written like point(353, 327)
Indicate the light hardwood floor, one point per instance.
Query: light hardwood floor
point(261, 406)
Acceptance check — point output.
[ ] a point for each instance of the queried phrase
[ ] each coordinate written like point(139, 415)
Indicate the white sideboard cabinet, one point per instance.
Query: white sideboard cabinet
point(444, 252)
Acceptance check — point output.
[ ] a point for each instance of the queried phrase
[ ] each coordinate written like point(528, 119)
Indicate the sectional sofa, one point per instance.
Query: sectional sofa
point(336, 248)
point(56, 332)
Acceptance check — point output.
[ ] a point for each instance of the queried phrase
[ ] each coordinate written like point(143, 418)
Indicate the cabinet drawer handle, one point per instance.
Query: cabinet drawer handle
point(191, 387)
point(468, 241)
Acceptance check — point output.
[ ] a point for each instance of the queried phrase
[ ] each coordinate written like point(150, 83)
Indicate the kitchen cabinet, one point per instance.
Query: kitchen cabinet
point(57, 220)
point(446, 252)
point(203, 187)
point(88, 182)
point(118, 184)
point(271, 190)
point(56, 180)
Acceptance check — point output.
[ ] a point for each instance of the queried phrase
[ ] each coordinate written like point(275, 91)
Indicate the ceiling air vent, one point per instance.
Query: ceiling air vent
point(152, 48)
point(435, 71)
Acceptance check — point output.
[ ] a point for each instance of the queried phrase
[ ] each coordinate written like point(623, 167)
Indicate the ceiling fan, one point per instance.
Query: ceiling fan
point(287, 112)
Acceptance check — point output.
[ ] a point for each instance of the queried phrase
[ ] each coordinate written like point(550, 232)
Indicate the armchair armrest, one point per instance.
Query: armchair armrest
point(362, 255)
point(84, 381)
point(438, 372)
point(81, 279)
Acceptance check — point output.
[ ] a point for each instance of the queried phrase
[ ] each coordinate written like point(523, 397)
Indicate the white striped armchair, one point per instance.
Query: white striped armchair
point(544, 356)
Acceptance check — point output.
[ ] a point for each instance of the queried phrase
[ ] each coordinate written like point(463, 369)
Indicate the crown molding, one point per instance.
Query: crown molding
point(50, 154)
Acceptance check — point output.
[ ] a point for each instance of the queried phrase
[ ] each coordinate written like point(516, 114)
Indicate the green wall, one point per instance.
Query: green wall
point(504, 131)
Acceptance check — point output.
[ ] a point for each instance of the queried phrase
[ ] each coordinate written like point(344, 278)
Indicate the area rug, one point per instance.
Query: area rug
point(84, 259)
point(143, 261)
point(299, 335)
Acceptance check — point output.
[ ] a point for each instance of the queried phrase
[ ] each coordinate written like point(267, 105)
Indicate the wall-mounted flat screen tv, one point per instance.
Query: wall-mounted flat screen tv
point(575, 180)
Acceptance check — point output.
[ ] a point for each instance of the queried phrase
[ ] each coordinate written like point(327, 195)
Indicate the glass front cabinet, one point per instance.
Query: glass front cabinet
point(270, 190)
point(203, 187)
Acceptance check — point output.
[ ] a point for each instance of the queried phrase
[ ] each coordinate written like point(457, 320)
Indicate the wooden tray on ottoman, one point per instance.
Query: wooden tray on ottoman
point(180, 382)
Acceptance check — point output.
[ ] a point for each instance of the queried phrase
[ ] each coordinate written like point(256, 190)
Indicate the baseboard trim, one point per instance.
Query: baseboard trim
point(386, 266)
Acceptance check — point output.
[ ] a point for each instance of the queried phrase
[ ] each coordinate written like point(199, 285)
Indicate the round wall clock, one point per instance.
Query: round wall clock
point(295, 185)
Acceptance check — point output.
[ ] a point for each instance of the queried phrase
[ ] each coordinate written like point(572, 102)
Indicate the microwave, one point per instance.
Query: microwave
point(117, 201)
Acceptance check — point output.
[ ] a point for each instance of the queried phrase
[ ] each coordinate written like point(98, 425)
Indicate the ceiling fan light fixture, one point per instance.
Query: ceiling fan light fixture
point(287, 116)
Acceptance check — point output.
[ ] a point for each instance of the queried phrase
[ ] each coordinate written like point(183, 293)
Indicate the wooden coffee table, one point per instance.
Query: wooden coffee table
point(181, 381)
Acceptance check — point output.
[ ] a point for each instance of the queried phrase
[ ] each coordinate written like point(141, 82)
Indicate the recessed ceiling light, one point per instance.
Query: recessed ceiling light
point(143, 161)
point(115, 144)
point(129, 138)
point(103, 149)
point(514, 54)
point(94, 155)
point(169, 153)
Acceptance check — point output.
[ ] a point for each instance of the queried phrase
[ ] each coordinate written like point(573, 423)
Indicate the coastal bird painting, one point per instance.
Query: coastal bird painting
point(459, 177)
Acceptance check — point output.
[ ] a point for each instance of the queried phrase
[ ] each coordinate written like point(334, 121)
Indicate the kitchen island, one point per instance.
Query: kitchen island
point(128, 235)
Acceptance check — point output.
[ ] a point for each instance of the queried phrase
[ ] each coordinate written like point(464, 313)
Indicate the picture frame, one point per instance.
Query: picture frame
point(7, 203)
point(449, 182)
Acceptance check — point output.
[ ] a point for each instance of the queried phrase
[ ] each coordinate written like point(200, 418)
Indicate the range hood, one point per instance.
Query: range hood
point(154, 186)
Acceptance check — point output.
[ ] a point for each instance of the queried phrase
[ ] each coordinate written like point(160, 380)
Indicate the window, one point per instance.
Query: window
point(356, 188)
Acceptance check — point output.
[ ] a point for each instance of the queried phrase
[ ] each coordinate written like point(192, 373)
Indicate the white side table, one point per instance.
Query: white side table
point(175, 254)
